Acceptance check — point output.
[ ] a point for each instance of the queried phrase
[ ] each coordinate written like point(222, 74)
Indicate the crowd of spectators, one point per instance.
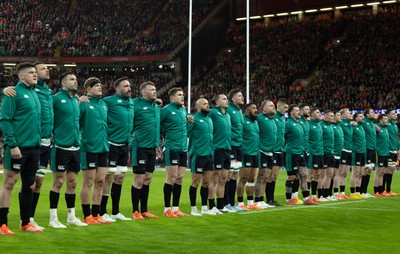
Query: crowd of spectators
point(95, 28)
point(329, 62)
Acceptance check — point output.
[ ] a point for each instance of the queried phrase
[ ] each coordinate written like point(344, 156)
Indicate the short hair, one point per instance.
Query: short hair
point(264, 102)
point(313, 110)
point(344, 110)
point(248, 106)
point(119, 80)
point(291, 107)
point(23, 66)
point(366, 112)
point(380, 117)
point(335, 111)
point(282, 101)
point(64, 74)
point(174, 90)
point(302, 105)
point(145, 84)
point(37, 63)
point(90, 82)
point(216, 97)
point(328, 111)
point(232, 93)
point(355, 115)
point(389, 110)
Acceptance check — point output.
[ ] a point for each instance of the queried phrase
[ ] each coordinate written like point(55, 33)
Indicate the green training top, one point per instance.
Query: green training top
point(20, 118)
point(93, 125)
point(315, 138)
point(45, 95)
point(66, 120)
point(268, 131)
point(304, 123)
point(280, 133)
point(173, 127)
point(393, 136)
point(359, 143)
point(237, 124)
point(250, 136)
point(146, 124)
point(294, 136)
point(221, 128)
point(201, 136)
point(119, 118)
point(328, 137)
point(348, 134)
point(382, 141)
point(339, 139)
point(370, 133)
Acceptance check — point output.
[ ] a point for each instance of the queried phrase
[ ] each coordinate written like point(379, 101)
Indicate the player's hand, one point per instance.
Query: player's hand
point(9, 91)
point(16, 153)
point(190, 119)
point(84, 98)
point(377, 128)
point(158, 101)
point(354, 123)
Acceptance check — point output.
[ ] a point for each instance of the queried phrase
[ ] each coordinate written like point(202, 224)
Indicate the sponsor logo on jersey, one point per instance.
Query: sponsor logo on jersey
point(142, 161)
point(218, 166)
point(119, 101)
point(173, 113)
point(61, 167)
point(91, 107)
point(16, 166)
point(63, 101)
point(201, 121)
point(248, 163)
point(199, 169)
point(144, 108)
point(26, 96)
point(113, 163)
point(174, 161)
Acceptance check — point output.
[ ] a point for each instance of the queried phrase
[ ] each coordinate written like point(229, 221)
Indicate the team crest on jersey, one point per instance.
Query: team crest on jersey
point(37, 90)
point(199, 169)
point(248, 163)
point(63, 101)
point(16, 166)
point(247, 122)
point(201, 121)
point(61, 167)
point(119, 101)
point(173, 113)
point(294, 124)
point(234, 112)
point(26, 96)
point(325, 126)
point(219, 113)
point(92, 165)
point(314, 127)
point(144, 108)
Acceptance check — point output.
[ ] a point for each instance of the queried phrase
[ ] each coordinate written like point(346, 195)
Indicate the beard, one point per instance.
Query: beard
point(306, 116)
point(253, 117)
point(205, 111)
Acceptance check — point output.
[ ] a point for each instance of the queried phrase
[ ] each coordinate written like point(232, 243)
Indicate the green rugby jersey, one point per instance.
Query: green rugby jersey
point(93, 125)
point(347, 129)
point(119, 118)
point(304, 123)
point(221, 128)
point(294, 136)
point(268, 131)
point(250, 144)
point(328, 137)
point(315, 138)
point(370, 133)
point(359, 142)
point(173, 127)
point(382, 141)
point(200, 136)
point(236, 124)
point(45, 95)
point(146, 124)
point(20, 118)
point(339, 139)
point(393, 136)
point(66, 120)
point(280, 133)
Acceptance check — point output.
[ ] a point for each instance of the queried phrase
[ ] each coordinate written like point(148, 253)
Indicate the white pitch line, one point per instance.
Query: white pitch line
point(274, 209)
point(369, 209)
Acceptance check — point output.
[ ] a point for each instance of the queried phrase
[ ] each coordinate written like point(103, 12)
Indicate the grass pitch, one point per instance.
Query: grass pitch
point(350, 226)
